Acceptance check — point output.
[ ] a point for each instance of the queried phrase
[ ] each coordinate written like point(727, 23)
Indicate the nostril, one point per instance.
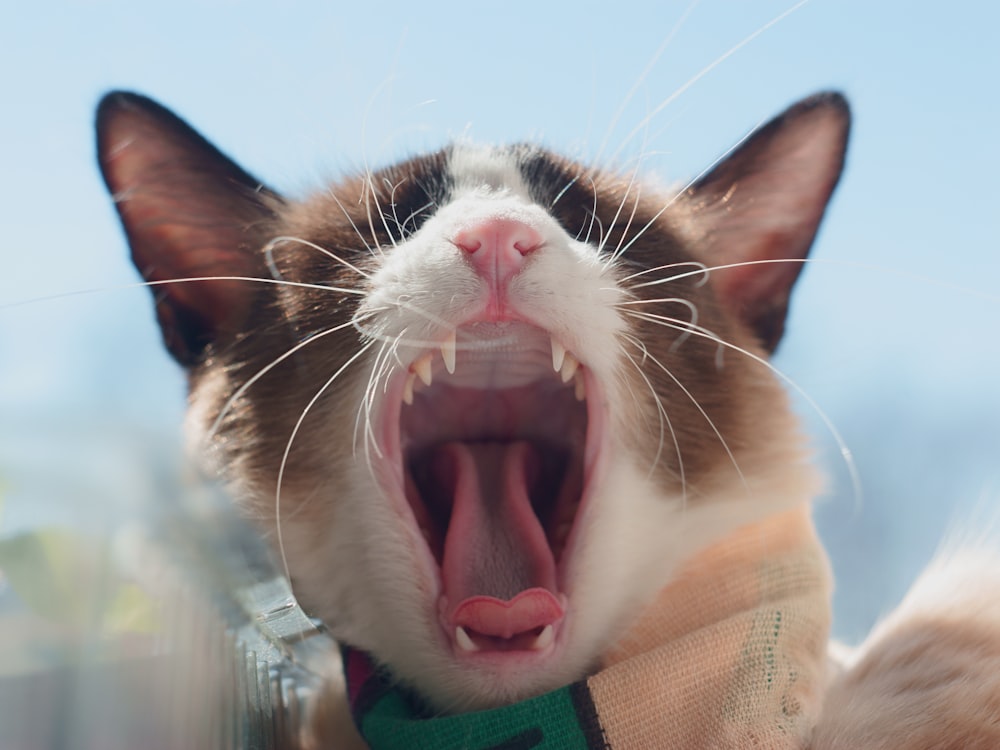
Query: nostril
point(528, 246)
point(468, 245)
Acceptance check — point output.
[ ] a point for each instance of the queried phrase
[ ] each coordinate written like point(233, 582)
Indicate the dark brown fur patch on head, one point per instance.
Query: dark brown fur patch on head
point(321, 250)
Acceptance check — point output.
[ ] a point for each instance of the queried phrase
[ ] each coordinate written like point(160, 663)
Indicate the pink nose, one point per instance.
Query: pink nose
point(497, 247)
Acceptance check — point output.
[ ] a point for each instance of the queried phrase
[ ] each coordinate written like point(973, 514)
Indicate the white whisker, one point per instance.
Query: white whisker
point(414, 214)
point(664, 419)
point(288, 450)
point(407, 305)
point(369, 184)
point(594, 218)
point(666, 267)
point(354, 226)
point(687, 186)
point(562, 192)
point(692, 308)
point(694, 401)
point(845, 452)
point(278, 282)
point(164, 282)
point(642, 77)
point(702, 73)
point(621, 242)
point(381, 214)
point(268, 249)
point(370, 191)
point(614, 220)
point(392, 203)
point(379, 367)
point(592, 211)
point(266, 369)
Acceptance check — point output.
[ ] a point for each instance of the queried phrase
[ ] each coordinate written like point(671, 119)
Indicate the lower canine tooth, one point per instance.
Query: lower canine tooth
point(448, 353)
point(465, 642)
point(544, 639)
point(408, 389)
point(569, 367)
point(422, 367)
point(579, 386)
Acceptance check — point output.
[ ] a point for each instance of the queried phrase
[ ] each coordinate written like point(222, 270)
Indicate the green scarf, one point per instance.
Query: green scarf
point(389, 718)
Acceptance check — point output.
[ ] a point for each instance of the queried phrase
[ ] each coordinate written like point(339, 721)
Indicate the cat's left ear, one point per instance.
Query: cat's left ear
point(763, 205)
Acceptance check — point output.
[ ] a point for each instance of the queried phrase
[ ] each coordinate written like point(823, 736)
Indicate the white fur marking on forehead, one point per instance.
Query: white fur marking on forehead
point(477, 167)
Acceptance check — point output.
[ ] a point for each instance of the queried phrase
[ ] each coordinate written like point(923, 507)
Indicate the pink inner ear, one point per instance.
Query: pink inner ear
point(758, 294)
point(760, 210)
point(189, 212)
point(166, 247)
point(765, 271)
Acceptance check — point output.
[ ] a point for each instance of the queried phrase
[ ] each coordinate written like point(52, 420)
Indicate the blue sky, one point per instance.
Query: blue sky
point(894, 330)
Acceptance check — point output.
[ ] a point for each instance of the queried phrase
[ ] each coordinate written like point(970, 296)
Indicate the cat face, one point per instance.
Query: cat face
point(487, 400)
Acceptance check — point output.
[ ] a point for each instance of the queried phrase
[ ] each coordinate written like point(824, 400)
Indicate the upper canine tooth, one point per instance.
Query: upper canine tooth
point(422, 367)
point(544, 639)
point(569, 366)
point(558, 353)
point(448, 352)
point(464, 641)
point(579, 386)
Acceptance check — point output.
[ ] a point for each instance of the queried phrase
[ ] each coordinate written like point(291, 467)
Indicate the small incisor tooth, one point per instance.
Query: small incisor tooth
point(408, 389)
point(558, 354)
point(448, 353)
point(464, 641)
point(579, 386)
point(569, 367)
point(422, 367)
point(544, 639)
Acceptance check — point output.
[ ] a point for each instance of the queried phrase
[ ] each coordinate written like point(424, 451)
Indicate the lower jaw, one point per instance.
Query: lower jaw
point(503, 677)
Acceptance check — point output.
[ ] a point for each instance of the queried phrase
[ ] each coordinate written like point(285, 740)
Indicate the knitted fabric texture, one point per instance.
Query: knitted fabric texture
point(730, 655)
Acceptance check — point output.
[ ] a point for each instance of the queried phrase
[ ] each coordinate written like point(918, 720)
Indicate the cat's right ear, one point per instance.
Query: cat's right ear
point(759, 209)
point(189, 213)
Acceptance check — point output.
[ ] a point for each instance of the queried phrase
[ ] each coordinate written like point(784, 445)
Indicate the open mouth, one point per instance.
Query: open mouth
point(496, 445)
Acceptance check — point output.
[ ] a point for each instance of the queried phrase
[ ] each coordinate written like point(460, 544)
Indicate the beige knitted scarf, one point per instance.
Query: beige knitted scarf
point(730, 655)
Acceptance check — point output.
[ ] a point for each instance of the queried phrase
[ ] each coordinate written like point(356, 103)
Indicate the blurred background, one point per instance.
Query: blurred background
point(894, 330)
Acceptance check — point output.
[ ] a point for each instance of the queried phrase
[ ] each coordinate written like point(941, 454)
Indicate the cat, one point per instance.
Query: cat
point(489, 403)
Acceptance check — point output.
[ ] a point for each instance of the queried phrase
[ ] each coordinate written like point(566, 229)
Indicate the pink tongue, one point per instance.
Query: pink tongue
point(497, 564)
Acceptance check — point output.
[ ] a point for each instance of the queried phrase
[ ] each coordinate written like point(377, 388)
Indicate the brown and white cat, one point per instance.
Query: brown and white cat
point(488, 401)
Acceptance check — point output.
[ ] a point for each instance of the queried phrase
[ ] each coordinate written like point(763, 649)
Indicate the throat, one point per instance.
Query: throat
point(489, 503)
